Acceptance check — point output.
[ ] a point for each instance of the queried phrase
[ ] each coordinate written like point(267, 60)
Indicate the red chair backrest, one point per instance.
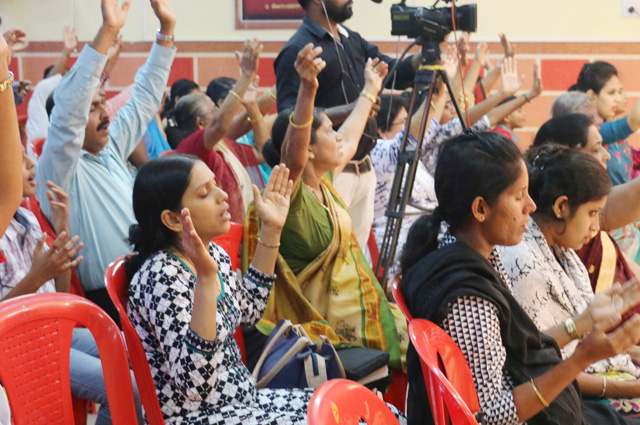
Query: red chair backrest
point(115, 279)
point(456, 389)
point(35, 341)
point(32, 204)
point(399, 297)
point(37, 145)
point(231, 242)
point(344, 402)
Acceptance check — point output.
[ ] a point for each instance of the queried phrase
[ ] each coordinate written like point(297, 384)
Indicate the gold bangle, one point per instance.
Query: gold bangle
point(236, 95)
point(604, 386)
point(571, 327)
point(299, 126)
point(272, 94)
point(371, 97)
point(260, 241)
point(535, 390)
point(6, 83)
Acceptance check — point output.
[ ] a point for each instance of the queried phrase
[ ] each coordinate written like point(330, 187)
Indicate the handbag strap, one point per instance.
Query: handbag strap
point(286, 325)
point(313, 380)
point(325, 340)
point(298, 346)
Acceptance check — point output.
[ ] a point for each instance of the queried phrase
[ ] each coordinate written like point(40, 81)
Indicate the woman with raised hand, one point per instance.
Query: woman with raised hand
point(456, 280)
point(186, 301)
point(324, 282)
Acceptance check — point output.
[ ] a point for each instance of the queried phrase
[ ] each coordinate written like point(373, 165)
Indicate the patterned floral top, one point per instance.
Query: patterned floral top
point(620, 166)
point(198, 380)
point(551, 284)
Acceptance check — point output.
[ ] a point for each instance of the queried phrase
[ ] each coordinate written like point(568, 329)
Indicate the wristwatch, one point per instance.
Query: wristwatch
point(163, 37)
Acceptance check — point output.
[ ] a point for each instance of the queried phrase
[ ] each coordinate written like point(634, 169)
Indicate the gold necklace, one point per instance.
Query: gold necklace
point(315, 194)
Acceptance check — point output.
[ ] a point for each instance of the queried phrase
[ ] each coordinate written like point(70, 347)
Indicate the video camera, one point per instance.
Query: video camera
point(431, 23)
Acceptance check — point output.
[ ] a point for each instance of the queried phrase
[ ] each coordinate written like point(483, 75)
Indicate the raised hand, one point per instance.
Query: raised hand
point(449, 59)
point(509, 49)
point(15, 37)
point(308, 65)
point(463, 45)
point(113, 15)
point(193, 247)
point(251, 95)
point(273, 204)
point(511, 81)
point(24, 87)
point(249, 58)
point(374, 72)
point(164, 12)
point(482, 52)
point(48, 264)
point(59, 202)
point(536, 89)
point(69, 38)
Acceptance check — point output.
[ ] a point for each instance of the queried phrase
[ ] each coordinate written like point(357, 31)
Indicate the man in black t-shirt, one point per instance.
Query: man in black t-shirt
point(341, 83)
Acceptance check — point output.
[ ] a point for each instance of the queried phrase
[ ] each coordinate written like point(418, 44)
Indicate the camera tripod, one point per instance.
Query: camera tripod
point(408, 158)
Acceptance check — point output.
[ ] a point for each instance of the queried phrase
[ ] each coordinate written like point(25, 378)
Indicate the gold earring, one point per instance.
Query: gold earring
point(311, 154)
point(481, 219)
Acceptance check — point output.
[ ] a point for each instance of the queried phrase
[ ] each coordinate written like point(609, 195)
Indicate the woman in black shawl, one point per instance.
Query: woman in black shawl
point(456, 280)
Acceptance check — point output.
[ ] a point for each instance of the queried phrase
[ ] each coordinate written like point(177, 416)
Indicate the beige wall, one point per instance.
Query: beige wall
point(526, 20)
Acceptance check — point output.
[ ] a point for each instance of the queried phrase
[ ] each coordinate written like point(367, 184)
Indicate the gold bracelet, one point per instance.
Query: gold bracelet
point(268, 245)
point(236, 95)
point(571, 327)
point(371, 97)
point(535, 390)
point(272, 94)
point(6, 83)
point(299, 126)
point(604, 386)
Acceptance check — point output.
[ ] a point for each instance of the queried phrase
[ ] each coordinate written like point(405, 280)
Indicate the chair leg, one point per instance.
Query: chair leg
point(80, 410)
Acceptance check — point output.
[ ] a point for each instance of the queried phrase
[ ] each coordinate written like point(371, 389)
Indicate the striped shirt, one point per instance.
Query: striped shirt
point(17, 246)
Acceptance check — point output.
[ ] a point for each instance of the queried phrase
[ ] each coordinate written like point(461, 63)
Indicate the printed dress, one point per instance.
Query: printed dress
point(200, 381)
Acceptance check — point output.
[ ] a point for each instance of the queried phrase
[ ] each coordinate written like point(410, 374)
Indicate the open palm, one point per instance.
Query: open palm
point(273, 204)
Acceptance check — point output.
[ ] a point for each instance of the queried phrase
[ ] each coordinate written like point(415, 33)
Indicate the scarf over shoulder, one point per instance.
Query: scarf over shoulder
point(456, 270)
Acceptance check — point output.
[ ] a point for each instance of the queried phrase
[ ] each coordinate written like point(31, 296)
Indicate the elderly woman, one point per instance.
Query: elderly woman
point(324, 281)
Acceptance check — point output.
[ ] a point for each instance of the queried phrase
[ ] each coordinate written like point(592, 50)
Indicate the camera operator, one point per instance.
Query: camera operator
point(341, 82)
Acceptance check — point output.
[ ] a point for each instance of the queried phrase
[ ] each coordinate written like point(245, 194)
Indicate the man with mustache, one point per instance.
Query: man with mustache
point(85, 154)
point(341, 82)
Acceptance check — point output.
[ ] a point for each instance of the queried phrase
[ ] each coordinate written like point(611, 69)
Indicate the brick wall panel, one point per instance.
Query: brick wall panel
point(210, 68)
point(182, 68)
point(13, 67)
point(525, 139)
point(538, 111)
point(560, 74)
point(123, 73)
point(628, 72)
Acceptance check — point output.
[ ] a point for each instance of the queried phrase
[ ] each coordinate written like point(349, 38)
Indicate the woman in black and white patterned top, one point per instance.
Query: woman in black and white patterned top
point(186, 302)
point(458, 282)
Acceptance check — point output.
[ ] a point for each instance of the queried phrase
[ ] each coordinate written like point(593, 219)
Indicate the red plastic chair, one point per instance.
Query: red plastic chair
point(231, 242)
point(117, 284)
point(399, 297)
point(456, 389)
point(37, 145)
point(32, 204)
point(344, 402)
point(35, 340)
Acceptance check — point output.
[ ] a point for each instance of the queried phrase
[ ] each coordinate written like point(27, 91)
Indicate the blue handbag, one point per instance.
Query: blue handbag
point(291, 360)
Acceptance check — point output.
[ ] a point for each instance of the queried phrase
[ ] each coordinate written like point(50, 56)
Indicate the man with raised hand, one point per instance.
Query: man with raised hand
point(85, 154)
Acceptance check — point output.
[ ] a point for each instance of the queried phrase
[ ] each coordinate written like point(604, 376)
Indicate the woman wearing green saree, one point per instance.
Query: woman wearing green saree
point(324, 282)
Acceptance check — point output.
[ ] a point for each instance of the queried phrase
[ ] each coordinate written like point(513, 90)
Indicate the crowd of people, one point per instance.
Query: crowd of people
point(528, 260)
